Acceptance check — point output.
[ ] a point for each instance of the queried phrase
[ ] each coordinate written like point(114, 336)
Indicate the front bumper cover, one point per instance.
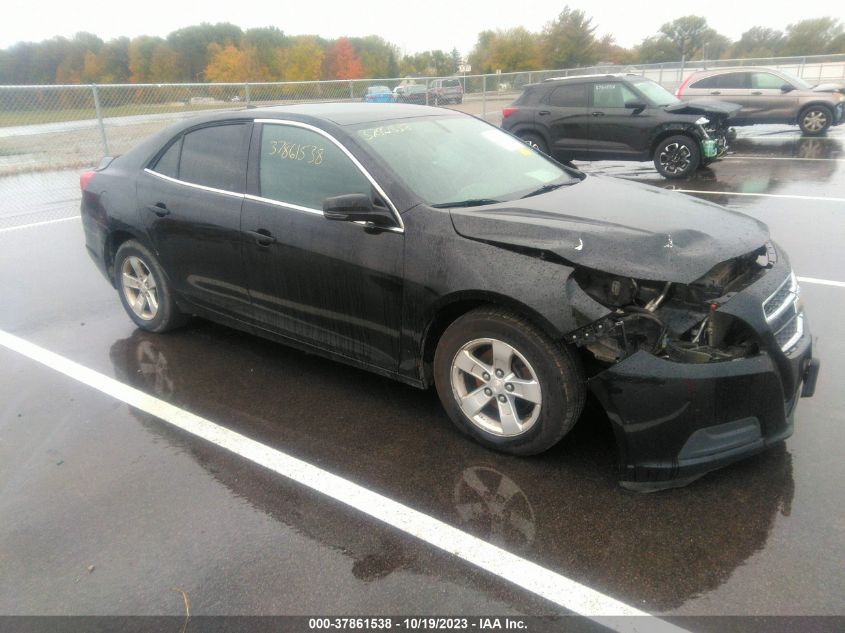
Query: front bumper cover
point(677, 421)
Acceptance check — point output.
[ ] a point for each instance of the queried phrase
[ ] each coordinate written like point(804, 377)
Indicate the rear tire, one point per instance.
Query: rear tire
point(815, 120)
point(677, 156)
point(506, 384)
point(144, 289)
point(535, 141)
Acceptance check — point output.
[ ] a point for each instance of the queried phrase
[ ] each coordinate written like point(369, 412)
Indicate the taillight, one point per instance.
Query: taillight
point(85, 178)
point(680, 89)
point(506, 112)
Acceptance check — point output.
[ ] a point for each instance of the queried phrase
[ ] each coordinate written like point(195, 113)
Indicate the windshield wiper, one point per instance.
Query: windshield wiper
point(549, 187)
point(474, 202)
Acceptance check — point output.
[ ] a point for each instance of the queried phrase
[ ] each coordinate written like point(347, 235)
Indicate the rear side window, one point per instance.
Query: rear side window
point(213, 157)
point(569, 96)
point(726, 81)
point(302, 167)
point(168, 163)
point(612, 95)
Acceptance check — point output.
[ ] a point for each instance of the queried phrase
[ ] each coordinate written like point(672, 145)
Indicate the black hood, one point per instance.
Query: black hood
point(619, 227)
point(712, 108)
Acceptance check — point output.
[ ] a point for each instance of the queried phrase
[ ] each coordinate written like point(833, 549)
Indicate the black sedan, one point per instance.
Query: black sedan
point(428, 246)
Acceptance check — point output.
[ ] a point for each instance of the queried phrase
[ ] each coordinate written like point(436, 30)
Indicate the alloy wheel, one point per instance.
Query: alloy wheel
point(495, 387)
point(139, 288)
point(815, 120)
point(675, 158)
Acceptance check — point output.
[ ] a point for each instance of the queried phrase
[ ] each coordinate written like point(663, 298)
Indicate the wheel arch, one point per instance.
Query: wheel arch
point(806, 106)
point(664, 133)
point(114, 239)
point(454, 306)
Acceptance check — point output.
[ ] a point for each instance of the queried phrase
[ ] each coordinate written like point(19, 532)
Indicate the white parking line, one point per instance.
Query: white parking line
point(34, 224)
point(762, 195)
point(821, 282)
point(543, 582)
point(740, 156)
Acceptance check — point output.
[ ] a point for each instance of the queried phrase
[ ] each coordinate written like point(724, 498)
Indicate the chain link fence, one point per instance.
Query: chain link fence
point(51, 128)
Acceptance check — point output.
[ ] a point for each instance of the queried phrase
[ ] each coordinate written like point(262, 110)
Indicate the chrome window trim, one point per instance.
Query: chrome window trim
point(194, 185)
point(361, 168)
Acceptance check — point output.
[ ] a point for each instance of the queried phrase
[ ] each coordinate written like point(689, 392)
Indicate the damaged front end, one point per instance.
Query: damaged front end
point(696, 375)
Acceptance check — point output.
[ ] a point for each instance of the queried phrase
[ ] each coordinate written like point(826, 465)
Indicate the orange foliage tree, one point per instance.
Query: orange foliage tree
point(343, 63)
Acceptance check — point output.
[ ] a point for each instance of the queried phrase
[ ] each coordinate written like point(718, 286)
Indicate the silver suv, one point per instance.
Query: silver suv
point(769, 96)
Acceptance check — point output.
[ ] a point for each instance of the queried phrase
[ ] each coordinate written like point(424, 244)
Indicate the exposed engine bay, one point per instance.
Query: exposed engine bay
point(679, 322)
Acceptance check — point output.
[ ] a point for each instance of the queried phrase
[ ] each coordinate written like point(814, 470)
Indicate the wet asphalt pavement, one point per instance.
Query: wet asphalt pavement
point(108, 510)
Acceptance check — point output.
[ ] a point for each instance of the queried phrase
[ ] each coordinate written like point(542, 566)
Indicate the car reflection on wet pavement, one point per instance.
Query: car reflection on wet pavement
point(87, 480)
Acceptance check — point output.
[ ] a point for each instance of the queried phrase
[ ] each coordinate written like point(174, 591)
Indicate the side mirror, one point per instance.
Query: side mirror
point(355, 207)
point(787, 88)
point(636, 106)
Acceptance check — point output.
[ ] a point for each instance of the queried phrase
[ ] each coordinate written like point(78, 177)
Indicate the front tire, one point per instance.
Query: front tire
point(814, 120)
point(677, 156)
point(535, 141)
point(144, 289)
point(506, 384)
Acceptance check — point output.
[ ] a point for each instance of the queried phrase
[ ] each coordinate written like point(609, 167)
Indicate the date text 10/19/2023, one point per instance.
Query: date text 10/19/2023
point(416, 623)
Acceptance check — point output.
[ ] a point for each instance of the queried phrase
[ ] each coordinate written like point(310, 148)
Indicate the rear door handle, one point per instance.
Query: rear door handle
point(715, 92)
point(543, 112)
point(263, 237)
point(159, 208)
point(597, 113)
point(756, 92)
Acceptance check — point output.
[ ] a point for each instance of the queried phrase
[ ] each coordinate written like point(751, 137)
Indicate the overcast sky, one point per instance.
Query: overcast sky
point(413, 26)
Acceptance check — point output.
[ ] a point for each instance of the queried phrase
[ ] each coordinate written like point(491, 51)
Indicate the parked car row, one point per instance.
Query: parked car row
point(437, 92)
point(629, 117)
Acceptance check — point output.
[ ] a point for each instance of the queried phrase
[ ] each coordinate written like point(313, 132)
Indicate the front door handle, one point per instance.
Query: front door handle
point(715, 92)
point(263, 237)
point(597, 113)
point(543, 112)
point(756, 92)
point(159, 208)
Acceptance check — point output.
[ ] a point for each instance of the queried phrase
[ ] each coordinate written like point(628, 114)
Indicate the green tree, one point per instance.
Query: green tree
point(264, 44)
point(191, 46)
point(141, 51)
point(568, 40)
point(687, 34)
point(812, 37)
point(758, 42)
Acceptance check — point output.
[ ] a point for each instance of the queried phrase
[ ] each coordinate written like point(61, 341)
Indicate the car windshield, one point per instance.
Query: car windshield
point(459, 159)
point(656, 94)
point(795, 81)
point(378, 90)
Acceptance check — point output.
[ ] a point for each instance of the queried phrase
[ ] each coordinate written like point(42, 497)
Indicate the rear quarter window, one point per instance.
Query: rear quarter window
point(168, 163)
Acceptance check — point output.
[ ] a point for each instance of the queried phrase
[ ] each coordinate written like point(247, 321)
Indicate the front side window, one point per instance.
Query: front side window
point(569, 96)
point(213, 157)
point(767, 81)
point(448, 159)
point(612, 95)
point(301, 167)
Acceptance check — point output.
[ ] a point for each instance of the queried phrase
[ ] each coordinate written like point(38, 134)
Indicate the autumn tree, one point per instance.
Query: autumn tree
point(568, 40)
point(191, 46)
point(165, 64)
point(342, 62)
point(508, 50)
point(141, 57)
point(302, 60)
